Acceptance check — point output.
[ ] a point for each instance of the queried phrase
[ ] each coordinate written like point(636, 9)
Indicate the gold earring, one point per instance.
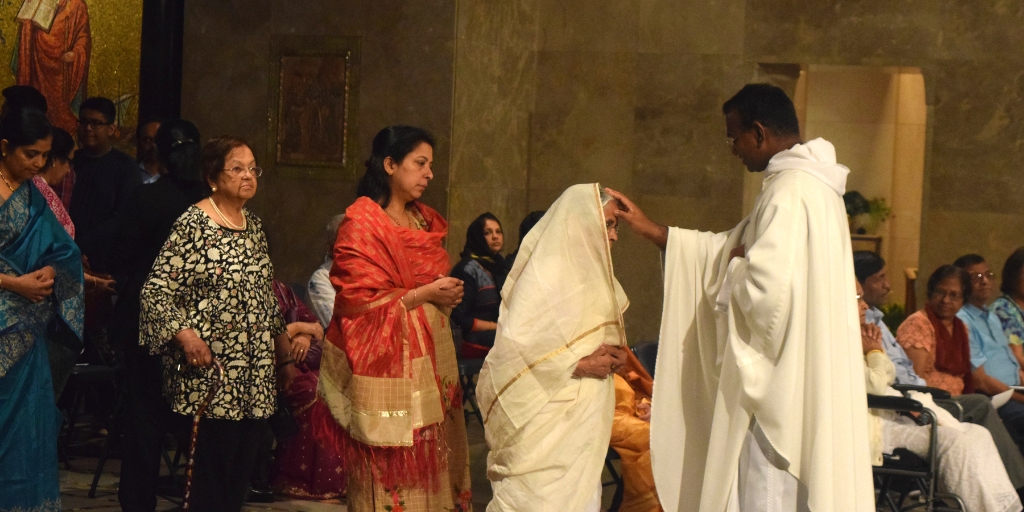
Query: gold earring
point(214, 188)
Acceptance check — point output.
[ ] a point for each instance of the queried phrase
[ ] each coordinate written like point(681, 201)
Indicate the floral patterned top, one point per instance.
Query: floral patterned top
point(1012, 318)
point(216, 281)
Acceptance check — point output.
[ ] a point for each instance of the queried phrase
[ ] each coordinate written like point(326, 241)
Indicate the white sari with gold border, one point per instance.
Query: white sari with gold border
point(548, 432)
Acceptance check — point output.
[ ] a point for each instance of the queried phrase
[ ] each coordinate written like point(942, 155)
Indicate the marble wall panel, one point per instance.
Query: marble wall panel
point(703, 27)
point(500, 23)
point(680, 131)
point(871, 32)
point(587, 26)
point(582, 127)
point(493, 100)
point(977, 143)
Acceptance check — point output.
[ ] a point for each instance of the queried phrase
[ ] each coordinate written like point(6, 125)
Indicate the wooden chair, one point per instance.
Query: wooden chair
point(910, 306)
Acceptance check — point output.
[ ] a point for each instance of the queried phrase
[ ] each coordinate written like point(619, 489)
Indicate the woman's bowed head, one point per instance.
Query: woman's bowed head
point(607, 359)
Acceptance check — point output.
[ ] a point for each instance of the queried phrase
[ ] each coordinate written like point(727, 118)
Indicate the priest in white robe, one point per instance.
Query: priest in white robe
point(760, 402)
point(546, 387)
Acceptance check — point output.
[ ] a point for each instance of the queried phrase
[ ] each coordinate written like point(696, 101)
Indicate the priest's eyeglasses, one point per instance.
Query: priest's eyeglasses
point(237, 171)
point(978, 276)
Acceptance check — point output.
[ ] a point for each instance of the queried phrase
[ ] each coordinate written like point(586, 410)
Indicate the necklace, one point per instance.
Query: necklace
point(6, 182)
point(414, 223)
point(393, 219)
point(230, 224)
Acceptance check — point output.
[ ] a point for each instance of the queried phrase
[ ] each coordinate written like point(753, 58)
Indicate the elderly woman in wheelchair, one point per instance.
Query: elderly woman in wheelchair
point(965, 458)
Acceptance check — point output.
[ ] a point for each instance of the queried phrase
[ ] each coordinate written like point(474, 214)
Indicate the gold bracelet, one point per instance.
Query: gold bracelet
point(873, 351)
point(414, 297)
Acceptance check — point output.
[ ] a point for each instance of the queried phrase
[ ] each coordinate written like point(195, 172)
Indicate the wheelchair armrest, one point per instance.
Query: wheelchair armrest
point(938, 394)
point(955, 405)
point(894, 403)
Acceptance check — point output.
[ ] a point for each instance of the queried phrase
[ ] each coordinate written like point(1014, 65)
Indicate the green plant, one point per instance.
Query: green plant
point(893, 315)
point(878, 211)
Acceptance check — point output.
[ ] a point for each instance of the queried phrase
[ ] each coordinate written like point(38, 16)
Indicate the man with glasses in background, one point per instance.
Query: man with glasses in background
point(105, 177)
point(995, 367)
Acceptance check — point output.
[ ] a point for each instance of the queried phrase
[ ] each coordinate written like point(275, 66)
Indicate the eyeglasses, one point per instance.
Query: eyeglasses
point(237, 171)
point(953, 296)
point(978, 276)
point(92, 123)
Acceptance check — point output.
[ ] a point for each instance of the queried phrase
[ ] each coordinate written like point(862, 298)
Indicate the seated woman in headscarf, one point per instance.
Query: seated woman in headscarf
point(483, 271)
point(545, 388)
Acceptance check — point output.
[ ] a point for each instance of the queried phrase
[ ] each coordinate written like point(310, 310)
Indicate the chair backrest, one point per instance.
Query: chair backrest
point(911, 282)
point(647, 353)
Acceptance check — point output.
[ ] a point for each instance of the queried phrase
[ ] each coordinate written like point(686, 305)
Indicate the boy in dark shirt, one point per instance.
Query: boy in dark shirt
point(105, 177)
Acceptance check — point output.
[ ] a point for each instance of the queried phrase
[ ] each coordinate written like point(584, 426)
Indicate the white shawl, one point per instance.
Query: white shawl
point(560, 302)
point(783, 348)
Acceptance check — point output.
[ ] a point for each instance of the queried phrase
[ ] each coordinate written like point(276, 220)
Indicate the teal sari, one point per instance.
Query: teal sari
point(30, 239)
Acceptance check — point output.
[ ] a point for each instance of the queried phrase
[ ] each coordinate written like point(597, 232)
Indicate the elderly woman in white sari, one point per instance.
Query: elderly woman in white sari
point(546, 388)
point(969, 465)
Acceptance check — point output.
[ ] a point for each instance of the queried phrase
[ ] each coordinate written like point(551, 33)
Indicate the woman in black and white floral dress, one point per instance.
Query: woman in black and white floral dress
point(210, 295)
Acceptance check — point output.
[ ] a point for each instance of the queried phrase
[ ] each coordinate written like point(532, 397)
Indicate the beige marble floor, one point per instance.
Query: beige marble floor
point(75, 484)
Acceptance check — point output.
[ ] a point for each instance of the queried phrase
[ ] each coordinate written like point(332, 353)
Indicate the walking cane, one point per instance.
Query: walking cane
point(214, 387)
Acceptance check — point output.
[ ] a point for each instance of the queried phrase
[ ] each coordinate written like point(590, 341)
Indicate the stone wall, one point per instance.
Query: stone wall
point(530, 96)
point(405, 77)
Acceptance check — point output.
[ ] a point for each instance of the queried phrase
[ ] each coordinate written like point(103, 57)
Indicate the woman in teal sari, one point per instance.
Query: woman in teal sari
point(40, 298)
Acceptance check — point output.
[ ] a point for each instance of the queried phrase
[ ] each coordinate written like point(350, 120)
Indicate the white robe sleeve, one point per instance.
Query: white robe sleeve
point(762, 281)
point(687, 365)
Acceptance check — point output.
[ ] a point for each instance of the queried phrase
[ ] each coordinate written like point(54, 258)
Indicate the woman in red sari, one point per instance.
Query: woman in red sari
point(388, 377)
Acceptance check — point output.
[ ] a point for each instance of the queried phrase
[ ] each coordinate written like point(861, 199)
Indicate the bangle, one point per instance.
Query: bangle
point(873, 351)
point(414, 298)
point(1, 283)
point(286, 363)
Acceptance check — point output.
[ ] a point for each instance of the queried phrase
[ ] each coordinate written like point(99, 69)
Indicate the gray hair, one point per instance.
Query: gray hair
point(332, 225)
point(605, 196)
point(332, 231)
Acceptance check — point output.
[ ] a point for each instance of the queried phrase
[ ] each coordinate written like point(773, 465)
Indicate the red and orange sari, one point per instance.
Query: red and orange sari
point(389, 377)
